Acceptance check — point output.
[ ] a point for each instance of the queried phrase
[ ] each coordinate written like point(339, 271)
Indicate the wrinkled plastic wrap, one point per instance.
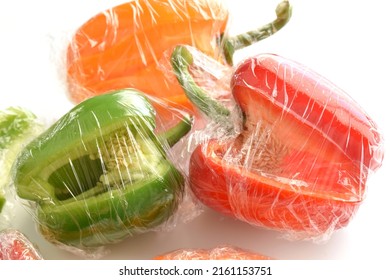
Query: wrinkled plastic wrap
point(109, 168)
point(225, 252)
point(294, 153)
point(103, 172)
point(14, 245)
point(124, 46)
point(17, 127)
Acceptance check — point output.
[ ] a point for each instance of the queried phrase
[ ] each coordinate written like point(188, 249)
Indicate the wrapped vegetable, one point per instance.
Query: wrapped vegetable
point(102, 173)
point(300, 162)
point(125, 46)
point(17, 126)
point(14, 245)
point(226, 252)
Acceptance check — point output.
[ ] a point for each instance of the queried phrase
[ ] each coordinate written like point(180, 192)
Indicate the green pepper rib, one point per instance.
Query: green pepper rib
point(231, 44)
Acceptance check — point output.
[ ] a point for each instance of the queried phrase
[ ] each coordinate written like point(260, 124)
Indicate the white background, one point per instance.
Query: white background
point(346, 41)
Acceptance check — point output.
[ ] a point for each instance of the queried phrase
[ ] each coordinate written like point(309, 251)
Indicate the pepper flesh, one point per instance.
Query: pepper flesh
point(302, 159)
point(125, 46)
point(100, 173)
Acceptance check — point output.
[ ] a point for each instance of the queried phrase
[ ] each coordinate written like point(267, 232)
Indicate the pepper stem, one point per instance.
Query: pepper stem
point(231, 44)
point(181, 60)
point(2, 202)
point(175, 133)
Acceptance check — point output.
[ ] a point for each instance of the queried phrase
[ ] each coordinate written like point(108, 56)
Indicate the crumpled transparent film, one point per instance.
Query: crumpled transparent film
point(103, 172)
point(122, 46)
point(17, 127)
point(14, 245)
point(302, 159)
point(223, 252)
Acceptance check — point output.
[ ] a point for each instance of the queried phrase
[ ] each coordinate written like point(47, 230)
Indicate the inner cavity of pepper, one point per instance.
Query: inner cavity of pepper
point(120, 158)
point(257, 149)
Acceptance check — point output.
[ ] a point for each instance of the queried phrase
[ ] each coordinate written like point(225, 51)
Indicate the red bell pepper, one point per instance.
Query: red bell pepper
point(302, 159)
point(14, 245)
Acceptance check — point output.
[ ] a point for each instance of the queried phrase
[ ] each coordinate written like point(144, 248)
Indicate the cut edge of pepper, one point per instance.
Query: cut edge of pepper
point(212, 146)
point(170, 178)
point(90, 147)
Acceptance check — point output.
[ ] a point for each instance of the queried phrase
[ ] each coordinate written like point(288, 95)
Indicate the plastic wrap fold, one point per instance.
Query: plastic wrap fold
point(103, 171)
point(300, 157)
point(225, 252)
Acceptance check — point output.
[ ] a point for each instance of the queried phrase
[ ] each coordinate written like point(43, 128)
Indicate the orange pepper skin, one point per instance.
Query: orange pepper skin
point(125, 46)
point(305, 153)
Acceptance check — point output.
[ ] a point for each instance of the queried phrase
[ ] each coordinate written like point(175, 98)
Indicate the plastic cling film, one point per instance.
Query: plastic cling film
point(102, 172)
point(14, 245)
point(302, 159)
point(17, 127)
point(124, 46)
point(225, 252)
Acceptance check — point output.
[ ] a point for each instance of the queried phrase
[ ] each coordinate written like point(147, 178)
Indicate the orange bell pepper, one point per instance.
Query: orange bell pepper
point(125, 46)
point(301, 161)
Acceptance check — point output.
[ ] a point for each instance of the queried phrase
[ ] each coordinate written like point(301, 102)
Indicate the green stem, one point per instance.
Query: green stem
point(181, 60)
point(174, 134)
point(2, 202)
point(231, 44)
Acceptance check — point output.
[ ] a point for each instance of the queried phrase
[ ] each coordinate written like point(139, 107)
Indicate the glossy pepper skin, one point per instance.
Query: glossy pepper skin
point(127, 45)
point(101, 173)
point(302, 159)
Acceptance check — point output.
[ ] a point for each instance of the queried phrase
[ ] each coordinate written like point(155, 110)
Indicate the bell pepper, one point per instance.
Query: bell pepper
point(302, 157)
point(17, 126)
point(14, 245)
point(226, 252)
point(126, 45)
point(101, 173)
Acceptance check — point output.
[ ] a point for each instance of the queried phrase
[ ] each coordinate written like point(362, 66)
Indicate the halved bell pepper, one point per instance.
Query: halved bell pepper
point(126, 45)
point(301, 161)
point(101, 173)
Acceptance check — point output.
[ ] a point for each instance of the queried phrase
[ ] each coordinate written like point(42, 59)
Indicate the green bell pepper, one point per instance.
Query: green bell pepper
point(101, 173)
point(17, 126)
